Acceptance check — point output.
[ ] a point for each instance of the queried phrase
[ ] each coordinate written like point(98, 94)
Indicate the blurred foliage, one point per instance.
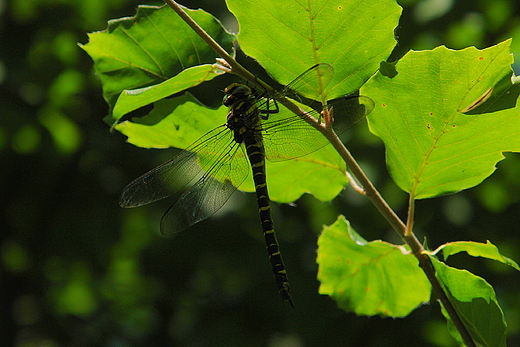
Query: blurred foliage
point(79, 271)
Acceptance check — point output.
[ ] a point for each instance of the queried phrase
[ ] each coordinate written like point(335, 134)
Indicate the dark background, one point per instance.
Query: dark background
point(77, 270)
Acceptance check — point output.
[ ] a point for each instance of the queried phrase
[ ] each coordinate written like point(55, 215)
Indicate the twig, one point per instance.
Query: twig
point(353, 183)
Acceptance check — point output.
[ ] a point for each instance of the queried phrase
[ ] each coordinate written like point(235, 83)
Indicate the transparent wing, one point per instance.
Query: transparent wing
point(209, 193)
point(210, 166)
point(311, 84)
point(174, 175)
point(349, 110)
point(287, 136)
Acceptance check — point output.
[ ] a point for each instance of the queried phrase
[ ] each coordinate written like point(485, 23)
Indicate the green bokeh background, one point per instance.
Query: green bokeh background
point(77, 270)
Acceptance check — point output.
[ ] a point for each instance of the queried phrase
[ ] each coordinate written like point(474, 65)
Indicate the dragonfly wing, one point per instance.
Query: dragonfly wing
point(311, 84)
point(349, 111)
point(174, 175)
point(210, 192)
point(157, 183)
point(290, 136)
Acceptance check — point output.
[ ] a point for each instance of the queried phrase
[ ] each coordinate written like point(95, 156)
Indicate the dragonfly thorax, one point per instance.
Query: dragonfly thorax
point(237, 92)
point(243, 116)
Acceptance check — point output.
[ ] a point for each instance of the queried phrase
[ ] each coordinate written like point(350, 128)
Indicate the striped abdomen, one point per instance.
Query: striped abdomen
point(256, 154)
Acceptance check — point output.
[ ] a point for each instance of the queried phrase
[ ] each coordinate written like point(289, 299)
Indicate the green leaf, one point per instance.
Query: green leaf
point(175, 122)
point(369, 278)
point(432, 147)
point(287, 37)
point(321, 173)
point(180, 121)
point(475, 302)
point(130, 100)
point(476, 249)
point(151, 47)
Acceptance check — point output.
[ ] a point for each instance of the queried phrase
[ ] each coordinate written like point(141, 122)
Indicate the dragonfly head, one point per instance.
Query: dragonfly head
point(234, 93)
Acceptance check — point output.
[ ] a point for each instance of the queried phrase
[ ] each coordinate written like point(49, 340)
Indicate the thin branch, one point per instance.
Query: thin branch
point(410, 217)
point(353, 183)
point(427, 266)
point(369, 190)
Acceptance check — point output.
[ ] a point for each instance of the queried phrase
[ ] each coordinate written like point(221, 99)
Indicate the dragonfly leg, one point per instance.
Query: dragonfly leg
point(265, 112)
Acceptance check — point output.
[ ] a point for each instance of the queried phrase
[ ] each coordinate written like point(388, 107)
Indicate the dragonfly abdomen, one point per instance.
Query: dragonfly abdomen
point(256, 154)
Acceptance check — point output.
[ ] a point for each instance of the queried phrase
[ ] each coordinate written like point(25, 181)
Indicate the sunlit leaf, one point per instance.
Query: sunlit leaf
point(130, 100)
point(175, 122)
point(477, 249)
point(151, 47)
point(288, 37)
point(369, 278)
point(475, 302)
point(432, 148)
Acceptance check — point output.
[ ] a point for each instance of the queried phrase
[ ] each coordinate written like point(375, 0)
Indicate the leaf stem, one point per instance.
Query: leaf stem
point(353, 183)
point(410, 217)
point(405, 231)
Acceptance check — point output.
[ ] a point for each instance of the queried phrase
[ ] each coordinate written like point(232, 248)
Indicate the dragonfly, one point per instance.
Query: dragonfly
point(206, 173)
